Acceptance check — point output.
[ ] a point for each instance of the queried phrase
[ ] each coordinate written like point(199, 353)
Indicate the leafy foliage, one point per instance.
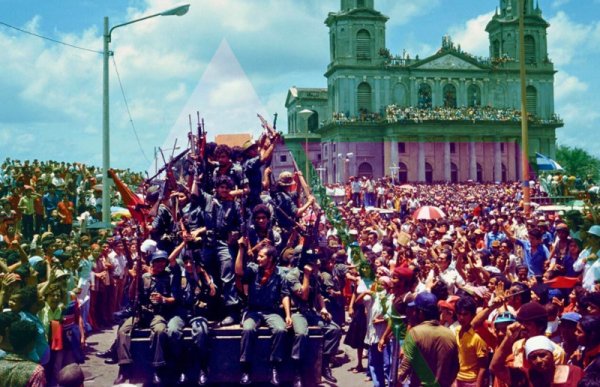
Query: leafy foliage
point(578, 162)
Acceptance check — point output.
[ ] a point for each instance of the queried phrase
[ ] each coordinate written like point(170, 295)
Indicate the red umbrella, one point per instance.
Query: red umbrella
point(428, 212)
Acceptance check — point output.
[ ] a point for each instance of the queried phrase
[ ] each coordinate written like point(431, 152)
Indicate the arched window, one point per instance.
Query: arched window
point(365, 169)
point(496, 49)
point(473, 95)
point(402, 173)
point(450, 96)
point(479, 173)
point(313, 122)
point(428, 173)
point(363, 98)
point(363, 45)
point(453, 173)
point(504, 176)
point(531, 93)
point(400, 94)
point(424, 101)
point(530, 56)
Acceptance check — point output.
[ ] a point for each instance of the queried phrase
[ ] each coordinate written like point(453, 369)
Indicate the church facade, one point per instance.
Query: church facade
point(447, 117)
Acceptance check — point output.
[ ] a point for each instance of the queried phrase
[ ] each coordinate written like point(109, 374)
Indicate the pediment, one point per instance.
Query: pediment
point(448, 62)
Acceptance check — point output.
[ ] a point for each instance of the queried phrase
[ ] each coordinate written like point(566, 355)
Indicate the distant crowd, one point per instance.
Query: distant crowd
point(394, 113)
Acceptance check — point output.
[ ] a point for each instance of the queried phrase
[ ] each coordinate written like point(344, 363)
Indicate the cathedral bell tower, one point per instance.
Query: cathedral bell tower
point(503, 32)
point(356, 34)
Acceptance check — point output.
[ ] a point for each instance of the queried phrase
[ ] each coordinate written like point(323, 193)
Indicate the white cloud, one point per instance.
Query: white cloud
point(559, 3)
point(472, 36)
point(404, 11)
point(569, 40)
point(567, 86)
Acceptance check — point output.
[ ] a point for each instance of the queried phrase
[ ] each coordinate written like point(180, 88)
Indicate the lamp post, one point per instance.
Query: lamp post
point(305, 114)
point(177, 11)
point(524, 123)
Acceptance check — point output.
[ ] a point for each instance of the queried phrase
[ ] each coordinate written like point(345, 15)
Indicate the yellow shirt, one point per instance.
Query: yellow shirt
point(471, 348)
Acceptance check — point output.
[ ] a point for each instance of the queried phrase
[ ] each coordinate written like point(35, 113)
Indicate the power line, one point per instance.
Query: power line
point(50, 39)
point(128, 111)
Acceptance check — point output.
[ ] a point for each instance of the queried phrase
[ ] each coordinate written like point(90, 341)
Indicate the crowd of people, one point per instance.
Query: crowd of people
point(425, 112)
point(478, 294)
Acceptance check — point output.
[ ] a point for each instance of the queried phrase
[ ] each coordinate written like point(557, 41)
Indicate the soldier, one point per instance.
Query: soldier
point(267, 291)
point(286, 211)
point(260, 233)
point(230, 169)
point(306, 300)
point(222, 220)
point(194, 290)
point(255, 158)
point(157, 304)
point(164, 227)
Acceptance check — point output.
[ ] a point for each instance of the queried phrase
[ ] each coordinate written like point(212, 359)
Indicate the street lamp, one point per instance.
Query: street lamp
point(177, 11)
point(305, 114)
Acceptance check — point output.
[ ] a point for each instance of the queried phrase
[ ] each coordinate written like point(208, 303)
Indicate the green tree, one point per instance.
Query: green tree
point(578, 162)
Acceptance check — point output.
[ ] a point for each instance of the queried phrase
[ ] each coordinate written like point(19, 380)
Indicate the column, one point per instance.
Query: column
point(437, 97)
point(377, 90)
point(413, 91)
point(387, 155)
point(421, 160)
point(518, 158)
point(447, 175)
point(351, 90)
point(461, 97)
point(394, 152)
point(386, 91)
point(497, 160)
point(472, 160)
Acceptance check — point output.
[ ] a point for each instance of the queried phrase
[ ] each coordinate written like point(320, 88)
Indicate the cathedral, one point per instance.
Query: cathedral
point(449, 117)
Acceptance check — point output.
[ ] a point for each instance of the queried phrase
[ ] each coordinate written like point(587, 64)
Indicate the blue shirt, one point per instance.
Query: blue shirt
point(534, 260)
point(41, 350)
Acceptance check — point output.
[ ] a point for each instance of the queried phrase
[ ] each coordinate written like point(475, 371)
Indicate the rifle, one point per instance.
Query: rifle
point(136, 285)
point(303, 184)
point(269, 131)
point(201, 144)
point(169, 164)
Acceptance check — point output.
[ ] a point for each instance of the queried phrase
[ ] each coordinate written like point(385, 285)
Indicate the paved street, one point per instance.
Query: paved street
point(99, 374)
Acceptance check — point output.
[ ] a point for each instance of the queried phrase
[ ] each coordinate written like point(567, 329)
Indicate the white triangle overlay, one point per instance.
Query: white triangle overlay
point(225, 99)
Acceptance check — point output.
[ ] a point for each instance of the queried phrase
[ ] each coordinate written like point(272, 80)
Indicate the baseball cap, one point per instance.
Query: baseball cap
point(571, 316)
point(505, 317)
point(424, 301)
point(159, 254)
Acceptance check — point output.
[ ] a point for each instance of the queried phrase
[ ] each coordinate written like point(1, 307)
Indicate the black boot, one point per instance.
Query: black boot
point(326, 370)
point(156, 379)
point(245, 379)
point(231, 316)
point(297, 380)
point(124, 374)
point(275, 376)
point(202, 378)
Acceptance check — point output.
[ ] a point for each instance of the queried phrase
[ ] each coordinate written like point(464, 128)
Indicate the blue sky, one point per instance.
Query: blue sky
point(231, 59)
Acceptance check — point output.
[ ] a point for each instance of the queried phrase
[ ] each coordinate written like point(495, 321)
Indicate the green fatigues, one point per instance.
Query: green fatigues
point(154, 316)
point(306, 314)
point(263, 306)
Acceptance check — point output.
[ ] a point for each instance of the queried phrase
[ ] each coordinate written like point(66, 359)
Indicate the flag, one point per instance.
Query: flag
point(134, 203)
point(545, 163)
